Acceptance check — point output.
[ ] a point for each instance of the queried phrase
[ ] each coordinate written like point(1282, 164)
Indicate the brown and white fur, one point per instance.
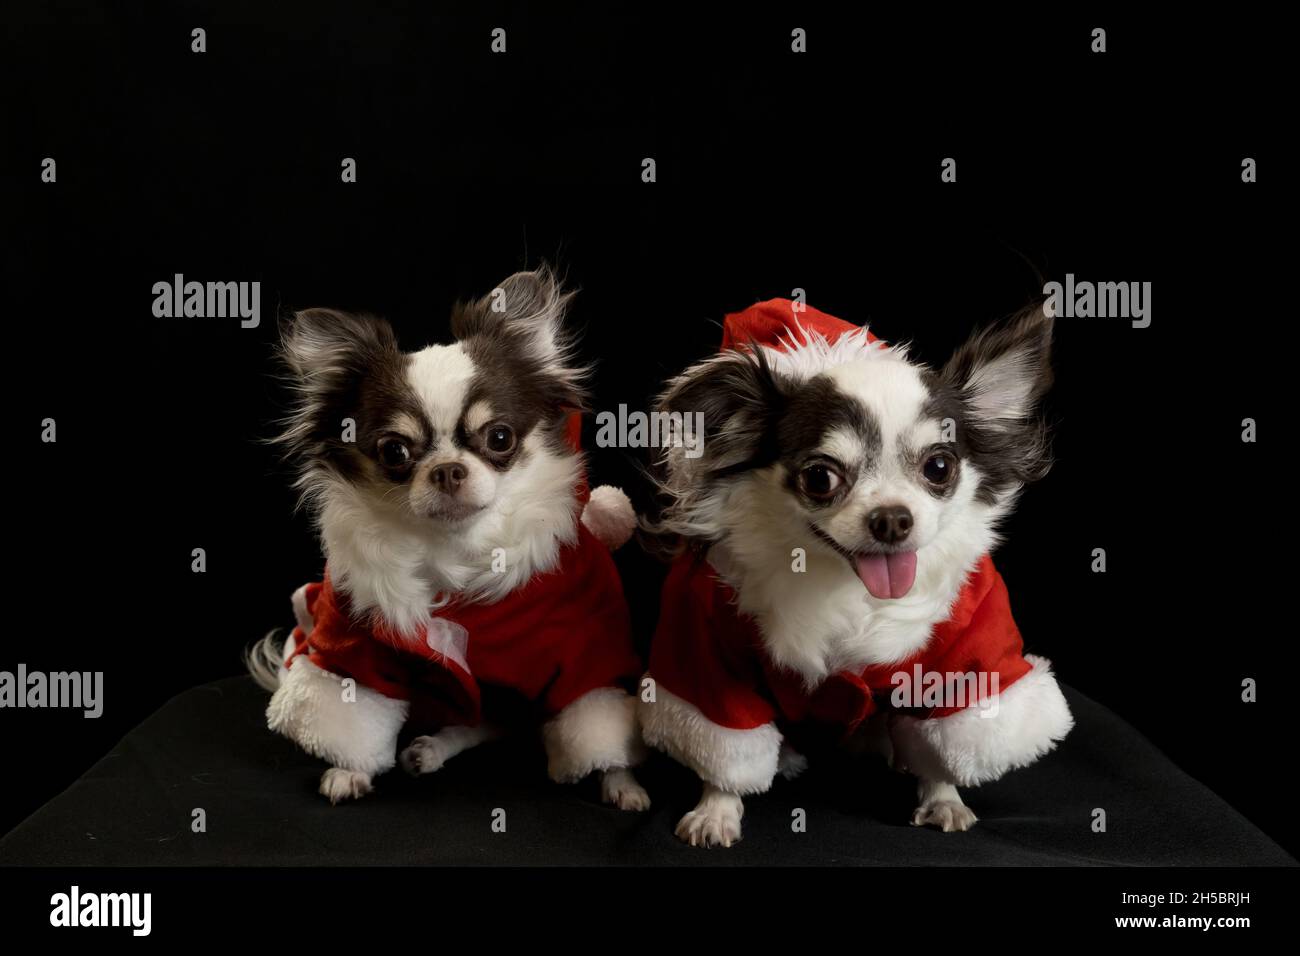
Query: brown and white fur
point(459, 454)
point(823, 436)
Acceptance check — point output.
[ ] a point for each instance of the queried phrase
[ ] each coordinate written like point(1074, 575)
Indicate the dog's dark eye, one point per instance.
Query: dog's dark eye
point(500, 439)
point(819, 481)
point(939, 468)
point(394, 453)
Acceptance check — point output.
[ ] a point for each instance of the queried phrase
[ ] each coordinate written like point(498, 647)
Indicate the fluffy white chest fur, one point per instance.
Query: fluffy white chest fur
point(821, 620)
point(846, 494)
point(438, 475)
point(400, 569)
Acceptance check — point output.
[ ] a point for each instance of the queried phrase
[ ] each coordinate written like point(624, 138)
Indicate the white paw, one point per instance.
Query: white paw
point(620, 788)
point(424, 755)
point(948, 815)
point(711, 825)
point(338, 784)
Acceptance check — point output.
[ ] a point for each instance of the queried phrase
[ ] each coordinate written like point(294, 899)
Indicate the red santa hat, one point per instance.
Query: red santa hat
point(778, 323)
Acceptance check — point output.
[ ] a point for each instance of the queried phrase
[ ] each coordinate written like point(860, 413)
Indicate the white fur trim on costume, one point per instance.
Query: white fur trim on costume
point(737, 761)
point(361, 734)
point(609, 516)
point(598, 731)
point(805, 353)
point(968, 748)
point(399, 569)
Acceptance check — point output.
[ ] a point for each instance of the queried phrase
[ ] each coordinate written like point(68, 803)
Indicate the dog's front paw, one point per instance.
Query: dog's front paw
point(950, 816)
point(338, 784)
point(620, 788)
point(424, 755)
point(712, 823)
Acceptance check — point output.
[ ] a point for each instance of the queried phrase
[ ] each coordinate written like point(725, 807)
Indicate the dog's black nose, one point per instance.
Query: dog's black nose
point(448, 477)
point(889, 524)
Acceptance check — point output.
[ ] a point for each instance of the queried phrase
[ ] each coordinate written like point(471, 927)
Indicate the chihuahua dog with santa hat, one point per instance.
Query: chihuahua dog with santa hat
point(468, 581)
point(838, 527)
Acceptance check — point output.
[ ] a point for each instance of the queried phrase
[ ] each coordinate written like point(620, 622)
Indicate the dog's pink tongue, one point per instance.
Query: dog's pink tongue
point(887, 575)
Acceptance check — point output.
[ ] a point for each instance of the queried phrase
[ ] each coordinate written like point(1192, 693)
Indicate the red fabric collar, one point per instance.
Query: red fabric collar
point(709, 653)
point(564, 633)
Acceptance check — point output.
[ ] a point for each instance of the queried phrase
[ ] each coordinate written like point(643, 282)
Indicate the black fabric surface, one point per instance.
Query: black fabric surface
point(209, 748)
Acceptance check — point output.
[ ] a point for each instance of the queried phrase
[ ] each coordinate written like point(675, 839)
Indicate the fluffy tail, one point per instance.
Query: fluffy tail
point(265, 660)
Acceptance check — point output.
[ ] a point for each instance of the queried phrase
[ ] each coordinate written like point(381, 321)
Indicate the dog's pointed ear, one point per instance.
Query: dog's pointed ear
point(329, 355)
point(1003, 371)
point(740, 397)
point(317, 342)
point(530, 305)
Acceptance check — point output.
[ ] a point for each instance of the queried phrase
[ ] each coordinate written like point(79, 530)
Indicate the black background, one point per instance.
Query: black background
point(775, 171)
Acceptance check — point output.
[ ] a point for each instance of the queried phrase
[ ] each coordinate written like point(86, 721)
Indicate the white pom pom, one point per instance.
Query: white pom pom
point(609, 516)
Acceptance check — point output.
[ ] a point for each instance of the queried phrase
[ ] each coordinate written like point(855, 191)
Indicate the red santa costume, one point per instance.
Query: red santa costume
point(561, 642)
point(722, 706)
